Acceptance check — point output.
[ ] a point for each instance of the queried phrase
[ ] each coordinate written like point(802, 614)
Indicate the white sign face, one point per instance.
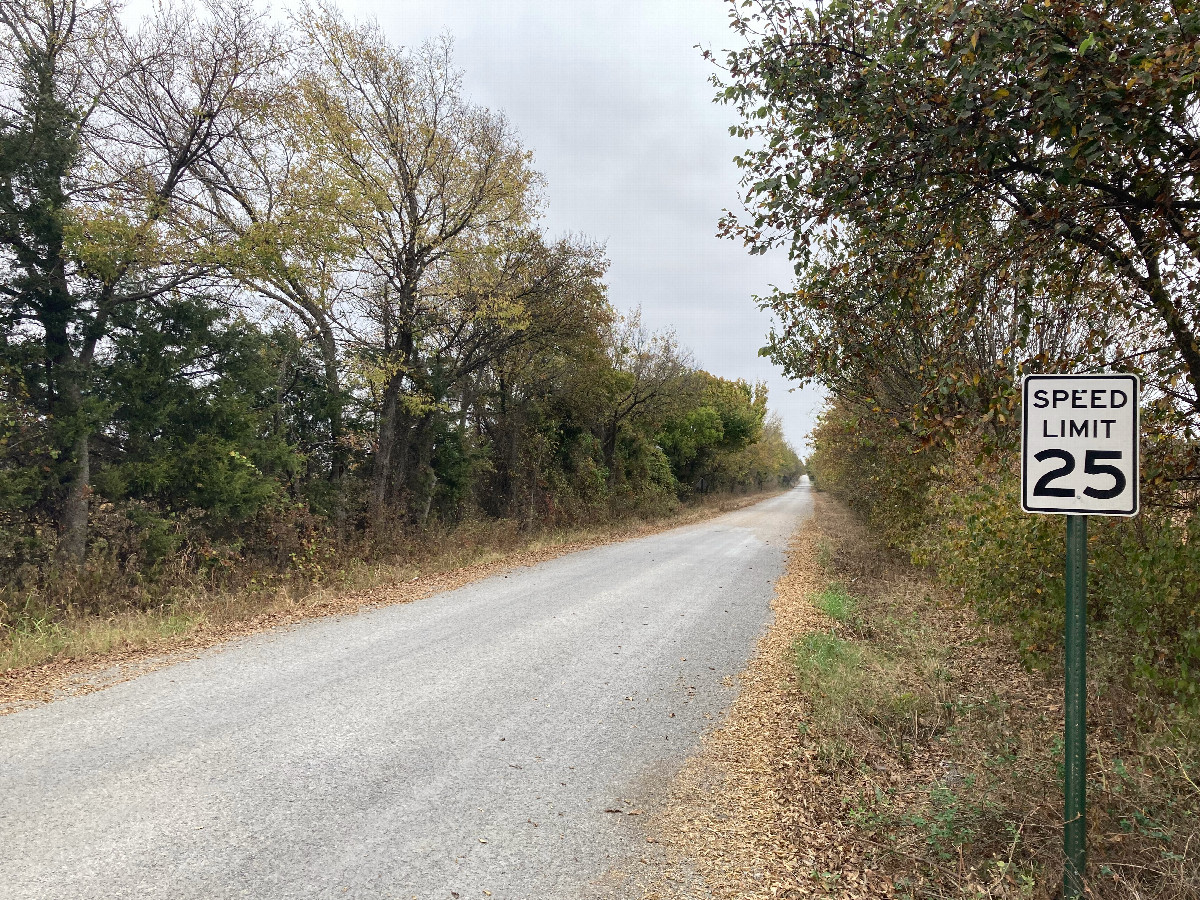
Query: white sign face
point(1079, 444)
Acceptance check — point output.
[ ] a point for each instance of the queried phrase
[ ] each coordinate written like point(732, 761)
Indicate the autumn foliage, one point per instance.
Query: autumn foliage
point(275, 294)
point(971, 192)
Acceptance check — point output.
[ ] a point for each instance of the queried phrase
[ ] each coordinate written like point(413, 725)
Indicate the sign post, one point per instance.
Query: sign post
point(1075, 735)
point(1065, 420)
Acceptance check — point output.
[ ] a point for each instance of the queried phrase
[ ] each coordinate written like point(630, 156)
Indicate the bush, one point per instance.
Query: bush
point(957, 510)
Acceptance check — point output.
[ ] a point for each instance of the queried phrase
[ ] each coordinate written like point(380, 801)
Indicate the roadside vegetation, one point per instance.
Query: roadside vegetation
point(971, 192)
point(888, 741)
point(74, 654)
point(945, 748)
point(277, 309)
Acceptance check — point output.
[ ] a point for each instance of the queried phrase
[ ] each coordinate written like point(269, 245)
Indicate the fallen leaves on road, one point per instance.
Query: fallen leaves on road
point(746, 816)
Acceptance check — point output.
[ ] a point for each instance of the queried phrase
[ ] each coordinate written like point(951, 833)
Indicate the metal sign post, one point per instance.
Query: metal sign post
point(1075, 736)
point(1067, 419)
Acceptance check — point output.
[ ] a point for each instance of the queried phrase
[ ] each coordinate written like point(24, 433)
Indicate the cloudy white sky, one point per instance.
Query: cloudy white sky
point(613, 99)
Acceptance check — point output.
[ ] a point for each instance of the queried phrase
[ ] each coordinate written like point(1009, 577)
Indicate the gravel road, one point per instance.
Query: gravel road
point(475, 741)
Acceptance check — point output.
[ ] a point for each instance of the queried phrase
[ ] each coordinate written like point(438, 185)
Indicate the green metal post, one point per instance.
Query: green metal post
point(1075, 737)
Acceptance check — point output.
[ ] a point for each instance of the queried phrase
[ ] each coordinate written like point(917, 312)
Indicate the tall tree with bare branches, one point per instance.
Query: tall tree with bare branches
point(433, 177)
point(103, 132)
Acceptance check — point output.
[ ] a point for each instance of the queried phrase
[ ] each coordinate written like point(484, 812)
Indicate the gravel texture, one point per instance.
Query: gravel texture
point(498, 740)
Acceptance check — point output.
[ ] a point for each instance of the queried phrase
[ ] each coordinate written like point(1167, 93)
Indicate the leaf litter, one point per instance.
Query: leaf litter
point(70, 676)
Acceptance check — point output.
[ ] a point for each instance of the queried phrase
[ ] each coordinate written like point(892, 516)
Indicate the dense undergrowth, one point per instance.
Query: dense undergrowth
point(957, 511)
point(106, 610)
point(945, 747)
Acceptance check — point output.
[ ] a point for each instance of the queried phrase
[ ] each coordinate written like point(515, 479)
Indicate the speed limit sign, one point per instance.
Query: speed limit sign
point(1079, 456)
point(1079, 444)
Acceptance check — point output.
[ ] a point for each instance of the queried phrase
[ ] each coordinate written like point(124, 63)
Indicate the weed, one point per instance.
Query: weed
point(943, 753)
point(836, 603)
point(824, 555)
point(949, 823)
point(826, 653)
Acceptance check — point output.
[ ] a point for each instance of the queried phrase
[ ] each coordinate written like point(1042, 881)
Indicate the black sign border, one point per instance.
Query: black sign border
point(1137, 428)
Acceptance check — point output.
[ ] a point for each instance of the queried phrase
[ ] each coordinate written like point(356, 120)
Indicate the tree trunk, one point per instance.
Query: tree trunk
point(71, 549)
point(1179, 329)
point(397, 495)
point(412, 466)
point(337, 452)
point(386, 447)
point(395, 430)
point(65, 380)
point(429, 497)
point(610, 452)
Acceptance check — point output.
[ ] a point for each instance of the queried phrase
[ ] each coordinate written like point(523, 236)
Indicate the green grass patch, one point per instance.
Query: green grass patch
point(34, 640)
point(826, 654)
point(836, 603)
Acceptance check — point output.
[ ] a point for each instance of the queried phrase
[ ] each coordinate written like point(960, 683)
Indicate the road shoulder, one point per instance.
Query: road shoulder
point(73, 676)
point(722, 831)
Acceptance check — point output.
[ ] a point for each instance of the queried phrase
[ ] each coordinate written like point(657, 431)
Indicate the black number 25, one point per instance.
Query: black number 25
point(1091, 465)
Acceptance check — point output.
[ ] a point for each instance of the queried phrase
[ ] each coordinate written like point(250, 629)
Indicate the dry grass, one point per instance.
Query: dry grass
point(46, 660)
point(886, 743)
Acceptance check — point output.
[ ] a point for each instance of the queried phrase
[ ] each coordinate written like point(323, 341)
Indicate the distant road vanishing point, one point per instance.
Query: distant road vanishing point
point(468, 742)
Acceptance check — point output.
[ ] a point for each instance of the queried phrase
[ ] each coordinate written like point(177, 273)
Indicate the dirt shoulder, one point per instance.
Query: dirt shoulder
point(138, 649)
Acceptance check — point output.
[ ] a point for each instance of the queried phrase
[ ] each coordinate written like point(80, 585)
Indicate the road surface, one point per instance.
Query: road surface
point(473, 741)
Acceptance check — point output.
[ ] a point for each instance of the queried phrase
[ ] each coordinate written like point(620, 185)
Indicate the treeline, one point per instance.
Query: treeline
point(973, 191)
point(269, 286)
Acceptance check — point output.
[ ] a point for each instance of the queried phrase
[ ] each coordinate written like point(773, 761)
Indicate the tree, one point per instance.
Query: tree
point(1075, 121)
point(933, 337)
point(102, 133)
point(651, 378)
point(531, 392)
point(199, 415)
point(727, 416)
point(769, 460)
point(432, 178)
point(271, 200)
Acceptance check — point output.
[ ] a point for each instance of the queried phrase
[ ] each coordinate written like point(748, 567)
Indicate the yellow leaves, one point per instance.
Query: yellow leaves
point(512, 314)
point(106, 242)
